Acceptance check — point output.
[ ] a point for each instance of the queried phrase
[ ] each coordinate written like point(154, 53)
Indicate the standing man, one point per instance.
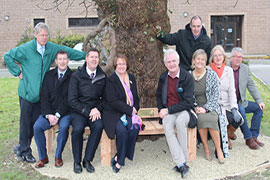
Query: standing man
point(54, 109)
point(35, 58)
point(86, 91)
point(188, 40)
point(174, 98)
point(243, 81)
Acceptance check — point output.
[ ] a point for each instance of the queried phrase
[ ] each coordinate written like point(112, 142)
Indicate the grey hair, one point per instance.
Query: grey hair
point(237, 49)
point(169, 52)
point(40, 26)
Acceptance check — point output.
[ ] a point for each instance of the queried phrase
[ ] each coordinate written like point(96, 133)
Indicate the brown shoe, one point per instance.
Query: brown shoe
point(233, 136)
point(58, 162)
point(252, 144)
point(258, 142)
point(42, 162)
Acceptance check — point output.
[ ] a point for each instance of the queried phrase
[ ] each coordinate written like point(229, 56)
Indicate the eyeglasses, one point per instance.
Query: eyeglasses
point(238, 57)
point(218, 55)
point(121, 64)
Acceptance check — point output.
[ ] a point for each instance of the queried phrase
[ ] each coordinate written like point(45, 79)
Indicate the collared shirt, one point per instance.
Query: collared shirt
point(177, 75)
point(39, 50)
point(89, 72)
point(59, 72)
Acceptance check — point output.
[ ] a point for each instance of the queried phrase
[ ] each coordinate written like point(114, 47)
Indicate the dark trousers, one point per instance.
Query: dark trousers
point(78, 123)
point(125, 142)
point(29, 114)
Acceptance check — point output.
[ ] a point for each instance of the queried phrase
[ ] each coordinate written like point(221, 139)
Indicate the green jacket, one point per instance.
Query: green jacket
point(34, 67)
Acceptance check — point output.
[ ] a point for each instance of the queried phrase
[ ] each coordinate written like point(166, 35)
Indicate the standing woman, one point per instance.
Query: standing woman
point(206, 91)
point(227, 98)
point(120, 114)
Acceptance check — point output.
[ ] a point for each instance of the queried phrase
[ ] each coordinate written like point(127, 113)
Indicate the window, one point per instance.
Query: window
point(38, 20)
point(82, 22)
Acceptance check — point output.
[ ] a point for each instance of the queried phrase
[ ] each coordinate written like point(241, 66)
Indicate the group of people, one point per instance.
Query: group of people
point(201, 79)
point(87, 97)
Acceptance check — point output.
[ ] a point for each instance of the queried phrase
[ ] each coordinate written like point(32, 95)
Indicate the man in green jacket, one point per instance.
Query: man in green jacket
point(35, 58)
point(188, 40)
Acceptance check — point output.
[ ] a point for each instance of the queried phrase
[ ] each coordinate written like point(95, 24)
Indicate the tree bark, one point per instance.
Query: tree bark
point(135, 22)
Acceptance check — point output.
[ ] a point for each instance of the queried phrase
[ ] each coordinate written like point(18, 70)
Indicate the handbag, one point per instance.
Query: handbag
point(193, 119)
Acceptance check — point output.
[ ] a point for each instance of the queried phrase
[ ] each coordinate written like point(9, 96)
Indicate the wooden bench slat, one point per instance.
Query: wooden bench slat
point(108, 147)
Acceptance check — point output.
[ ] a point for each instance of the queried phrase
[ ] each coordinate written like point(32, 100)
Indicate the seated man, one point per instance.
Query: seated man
point(86, 90)
point(174, 98)
point(54, 109)
point(243, 81)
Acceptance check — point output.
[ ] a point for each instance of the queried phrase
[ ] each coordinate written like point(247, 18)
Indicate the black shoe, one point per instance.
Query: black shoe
point(77, 167)
point(29, 158)
point(183, 170)
point(20, 157)
point(113, 161)
point(16, 149)
point(88, 166)
point(115, 169)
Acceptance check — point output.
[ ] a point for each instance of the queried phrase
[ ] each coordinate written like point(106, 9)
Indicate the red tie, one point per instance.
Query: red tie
point(92, 75)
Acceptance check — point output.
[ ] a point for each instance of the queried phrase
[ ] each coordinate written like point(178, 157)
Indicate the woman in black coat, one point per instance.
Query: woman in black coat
point(120, 112)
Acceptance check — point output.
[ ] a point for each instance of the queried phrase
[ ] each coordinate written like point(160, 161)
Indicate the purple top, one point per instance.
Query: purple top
point(236, 84)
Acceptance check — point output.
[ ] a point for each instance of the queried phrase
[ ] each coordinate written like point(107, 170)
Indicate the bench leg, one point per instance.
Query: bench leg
point(49, 139)
point(192, 141)
point(108, 149)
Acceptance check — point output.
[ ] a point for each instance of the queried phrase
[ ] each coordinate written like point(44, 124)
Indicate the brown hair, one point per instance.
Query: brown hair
point(120, 56)
point(92, 50)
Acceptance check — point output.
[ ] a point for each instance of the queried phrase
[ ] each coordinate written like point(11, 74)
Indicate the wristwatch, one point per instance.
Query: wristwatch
point(57, 115)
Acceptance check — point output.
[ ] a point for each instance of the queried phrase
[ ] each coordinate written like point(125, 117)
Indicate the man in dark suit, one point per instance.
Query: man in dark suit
point(243, 81)
point(86, 90)
point(54, 109)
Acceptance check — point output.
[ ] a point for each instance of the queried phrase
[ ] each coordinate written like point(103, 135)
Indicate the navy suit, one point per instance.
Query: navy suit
point(54, 98)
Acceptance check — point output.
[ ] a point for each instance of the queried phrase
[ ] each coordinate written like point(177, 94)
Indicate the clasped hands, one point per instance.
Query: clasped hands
point(94, 114)
point(200, 110)
point(52, 119)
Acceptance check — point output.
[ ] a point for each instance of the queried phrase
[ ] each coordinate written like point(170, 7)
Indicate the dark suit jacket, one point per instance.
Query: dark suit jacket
point(116, 105)
point(184, 91)
point(54, 94)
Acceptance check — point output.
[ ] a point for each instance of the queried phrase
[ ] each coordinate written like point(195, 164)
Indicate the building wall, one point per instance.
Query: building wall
point(21, 16)
point(255, 37)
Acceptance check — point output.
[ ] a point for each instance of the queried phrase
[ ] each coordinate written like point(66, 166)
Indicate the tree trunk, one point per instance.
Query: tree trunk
point(135, 22)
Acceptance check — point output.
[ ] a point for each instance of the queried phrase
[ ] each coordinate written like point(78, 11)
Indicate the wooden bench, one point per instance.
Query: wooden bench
point(108, 146)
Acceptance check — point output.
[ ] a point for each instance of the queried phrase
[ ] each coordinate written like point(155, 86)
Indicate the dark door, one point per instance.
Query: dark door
point(226, 31)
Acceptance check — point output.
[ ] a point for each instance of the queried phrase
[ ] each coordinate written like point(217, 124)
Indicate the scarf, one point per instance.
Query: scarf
point(218, 70)
point(136, 120)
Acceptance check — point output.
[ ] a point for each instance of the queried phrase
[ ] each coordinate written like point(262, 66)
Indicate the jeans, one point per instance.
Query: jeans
point(41, 125)
point(254, 129)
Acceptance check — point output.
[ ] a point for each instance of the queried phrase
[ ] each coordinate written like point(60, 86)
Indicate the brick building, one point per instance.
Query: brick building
point(243, 25)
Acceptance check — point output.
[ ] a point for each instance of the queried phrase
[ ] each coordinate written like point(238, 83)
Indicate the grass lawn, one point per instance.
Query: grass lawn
point(9, 131)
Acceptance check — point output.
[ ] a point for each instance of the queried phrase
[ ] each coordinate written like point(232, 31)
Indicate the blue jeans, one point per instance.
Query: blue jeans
point(254, 129)
point(41, 125)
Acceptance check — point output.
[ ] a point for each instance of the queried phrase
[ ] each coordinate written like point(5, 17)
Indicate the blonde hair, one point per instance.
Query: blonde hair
point(220, 48)
point(197, 53)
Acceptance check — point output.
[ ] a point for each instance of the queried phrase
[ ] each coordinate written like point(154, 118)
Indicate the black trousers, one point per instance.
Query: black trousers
point(78, 123)
point(29, 114)
point(125, 141)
